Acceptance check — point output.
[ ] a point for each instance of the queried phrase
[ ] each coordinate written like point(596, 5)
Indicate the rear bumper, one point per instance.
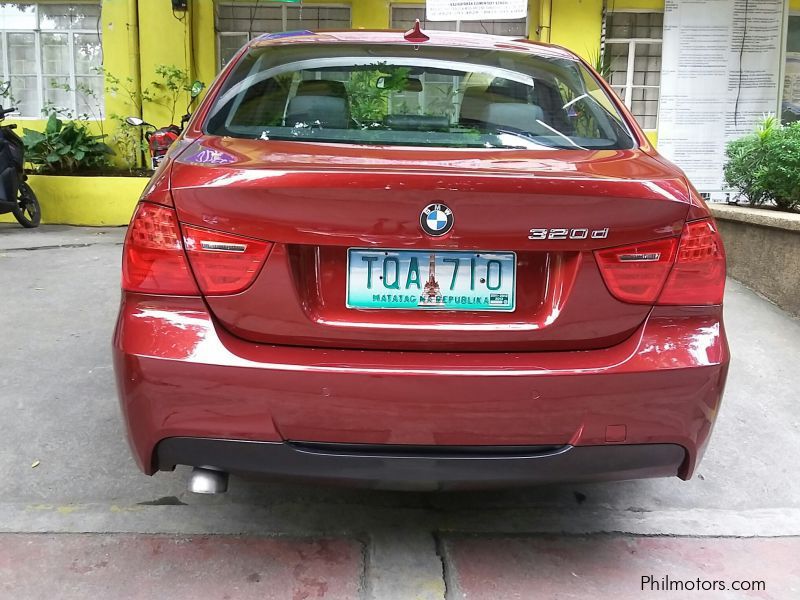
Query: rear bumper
point(424, 468)
point(619, 412)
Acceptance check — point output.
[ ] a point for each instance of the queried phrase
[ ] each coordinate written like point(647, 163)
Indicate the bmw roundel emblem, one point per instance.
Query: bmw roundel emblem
point(436, 219)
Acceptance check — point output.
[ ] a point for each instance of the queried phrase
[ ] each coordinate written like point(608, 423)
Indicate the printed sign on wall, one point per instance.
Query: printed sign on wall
point(705, 102)
point(475, 10)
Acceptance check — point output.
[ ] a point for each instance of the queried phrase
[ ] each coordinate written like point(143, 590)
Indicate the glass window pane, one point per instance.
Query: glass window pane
point(15, 16)
point(646, 61)
point(56, 95)
point(617, 56)
point(793, 34)
point(334, 18)
point(626, 25)
point(509, 99)
point(618, 25)
point(300, 17)
point(438, 25)
point(647, 64)
point(645, 107)
point(22, 72)
point(403, 17)
point(69, 16)
point(652, 78)
point(253, 18)
point(88, 53)
point(21, 53)
point(790, 106)
point(26, 97)
point(89, 96)
point(61, 55)
point(55, 54)
point(509, 28)
point(229, 45)
point(260, 26)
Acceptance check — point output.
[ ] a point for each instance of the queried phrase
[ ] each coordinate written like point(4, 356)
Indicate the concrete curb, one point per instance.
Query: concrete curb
point(762, 247)
point(756, 216)
point(303, 520)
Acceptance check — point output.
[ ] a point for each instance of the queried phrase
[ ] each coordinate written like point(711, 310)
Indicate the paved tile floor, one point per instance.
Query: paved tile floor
point(85, 523)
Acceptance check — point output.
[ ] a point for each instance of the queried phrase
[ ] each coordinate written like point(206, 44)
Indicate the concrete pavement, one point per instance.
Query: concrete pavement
point(59, 290)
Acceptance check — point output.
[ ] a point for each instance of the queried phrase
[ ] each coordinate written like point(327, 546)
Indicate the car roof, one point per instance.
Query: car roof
point(437, 38)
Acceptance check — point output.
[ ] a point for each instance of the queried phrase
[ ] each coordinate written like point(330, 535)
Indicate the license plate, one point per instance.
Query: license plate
point(427, 280)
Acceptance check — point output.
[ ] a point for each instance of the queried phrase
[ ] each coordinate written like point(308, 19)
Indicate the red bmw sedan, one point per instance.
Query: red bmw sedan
point(418, 261)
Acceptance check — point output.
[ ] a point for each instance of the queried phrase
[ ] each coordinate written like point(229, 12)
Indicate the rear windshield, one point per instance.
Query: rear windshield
point(416, 96)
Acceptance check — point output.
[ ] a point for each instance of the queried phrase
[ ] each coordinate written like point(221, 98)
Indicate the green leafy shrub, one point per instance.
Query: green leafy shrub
point(173, 83)
point(65, 147)
point(127, 139)
point(601, 63)
point(765, 165)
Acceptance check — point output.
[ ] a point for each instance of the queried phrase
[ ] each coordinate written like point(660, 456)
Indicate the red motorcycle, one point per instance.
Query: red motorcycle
point(159, 140)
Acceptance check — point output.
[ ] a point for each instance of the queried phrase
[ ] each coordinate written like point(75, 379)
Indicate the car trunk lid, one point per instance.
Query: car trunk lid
point(550, 210)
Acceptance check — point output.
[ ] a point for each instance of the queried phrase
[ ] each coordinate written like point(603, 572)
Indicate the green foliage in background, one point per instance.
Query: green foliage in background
point(167, 90)
point(172, 84)
point(765, 165)
point(127, 139)
point(65, 147)
point(601, 61)
point(369, 104)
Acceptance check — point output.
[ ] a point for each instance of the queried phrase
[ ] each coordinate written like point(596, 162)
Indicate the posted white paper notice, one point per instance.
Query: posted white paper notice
point(475, 10)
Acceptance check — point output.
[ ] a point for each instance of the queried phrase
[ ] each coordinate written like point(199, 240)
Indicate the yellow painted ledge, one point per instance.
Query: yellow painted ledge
point(83, 200)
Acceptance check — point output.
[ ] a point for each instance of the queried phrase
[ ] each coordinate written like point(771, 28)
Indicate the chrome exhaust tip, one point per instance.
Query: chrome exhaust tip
point(208, 481)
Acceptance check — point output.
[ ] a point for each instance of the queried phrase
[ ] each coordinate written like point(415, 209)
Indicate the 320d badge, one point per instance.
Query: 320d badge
point(564, 233)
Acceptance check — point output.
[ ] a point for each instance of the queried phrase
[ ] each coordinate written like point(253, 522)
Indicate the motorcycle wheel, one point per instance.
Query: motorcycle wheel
point(28, 213)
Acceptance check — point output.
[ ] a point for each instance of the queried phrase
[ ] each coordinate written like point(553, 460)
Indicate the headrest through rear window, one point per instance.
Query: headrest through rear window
point(514, 115)
point(321, 87)
point(314, 111)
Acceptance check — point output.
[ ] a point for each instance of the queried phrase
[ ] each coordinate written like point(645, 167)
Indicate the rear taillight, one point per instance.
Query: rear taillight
point(153, 259)
point(690, 269)
point(698, 276)
point(223, 263)
point(636, 273)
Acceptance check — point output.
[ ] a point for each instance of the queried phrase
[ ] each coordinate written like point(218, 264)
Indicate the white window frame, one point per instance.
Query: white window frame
point(783, 59)
point(629, 85)
point(37, 33)
point(458, 22)
point(284, 18)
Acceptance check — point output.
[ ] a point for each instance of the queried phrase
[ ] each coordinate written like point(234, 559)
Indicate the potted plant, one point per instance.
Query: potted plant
point(72, 148)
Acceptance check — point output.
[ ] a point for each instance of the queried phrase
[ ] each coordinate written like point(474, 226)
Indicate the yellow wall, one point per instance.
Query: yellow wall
point(576, 24)
point(85, 200)
point(165, 39)
point(370, 14)
point(120, 51)
point(205, 43)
